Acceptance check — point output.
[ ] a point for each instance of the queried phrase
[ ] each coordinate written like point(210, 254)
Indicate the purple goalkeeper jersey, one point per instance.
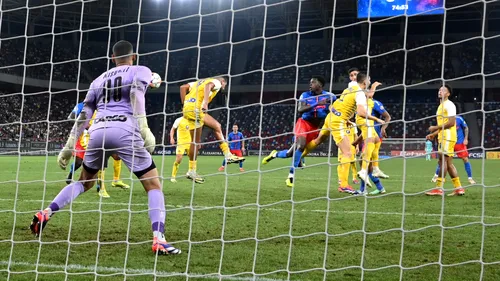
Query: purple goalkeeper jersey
point(110, 95)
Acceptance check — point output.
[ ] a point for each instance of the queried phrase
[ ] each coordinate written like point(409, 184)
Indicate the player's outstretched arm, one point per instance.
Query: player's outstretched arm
point(387, 119)
point(138, 101)
point(206, 96)
point(184, 89)
point(81, 123)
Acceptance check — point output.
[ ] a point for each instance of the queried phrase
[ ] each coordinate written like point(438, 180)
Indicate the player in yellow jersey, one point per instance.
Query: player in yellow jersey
point(352, 100)
point(195, 97)
point(446, 132)
point(352, 134)
point(370, 136)
point(183, 143)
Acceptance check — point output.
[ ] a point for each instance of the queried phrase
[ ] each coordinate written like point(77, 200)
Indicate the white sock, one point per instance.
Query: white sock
point(290, 175)
point(49, 210)
point(159, 235)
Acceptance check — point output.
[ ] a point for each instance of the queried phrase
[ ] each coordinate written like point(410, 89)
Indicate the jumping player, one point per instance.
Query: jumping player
point(120, 127)
point(380, 112)
point(195, 97)
point(236, 146)
point(313, 109)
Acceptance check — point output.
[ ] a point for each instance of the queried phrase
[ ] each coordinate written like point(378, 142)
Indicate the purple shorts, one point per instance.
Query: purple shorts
point(129, 147)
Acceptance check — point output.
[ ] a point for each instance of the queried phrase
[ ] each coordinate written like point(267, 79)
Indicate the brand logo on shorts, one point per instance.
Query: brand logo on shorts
point(120, 118)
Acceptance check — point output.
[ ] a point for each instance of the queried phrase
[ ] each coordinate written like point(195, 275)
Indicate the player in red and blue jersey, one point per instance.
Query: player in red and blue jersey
point(461, 148)
point(381, 113)
point(236, 146)
point(313, 108)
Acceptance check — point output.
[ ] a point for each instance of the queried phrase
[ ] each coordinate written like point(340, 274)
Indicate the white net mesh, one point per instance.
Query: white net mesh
point(246, 224)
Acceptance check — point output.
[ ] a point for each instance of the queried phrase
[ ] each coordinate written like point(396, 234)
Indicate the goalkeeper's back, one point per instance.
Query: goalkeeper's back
point(118, 95)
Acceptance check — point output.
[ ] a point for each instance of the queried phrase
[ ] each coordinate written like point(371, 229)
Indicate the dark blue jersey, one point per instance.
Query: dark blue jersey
point(318, 111)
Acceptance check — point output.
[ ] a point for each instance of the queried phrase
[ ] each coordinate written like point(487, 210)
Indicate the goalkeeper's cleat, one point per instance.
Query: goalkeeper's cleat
point(103, 193)
point(289, 182)
point(173, 180)
point(232, 159)
point(376, 192)
point(39, 221)
point(221, 169)
point(355, 181)
point(269, 157)
point(435, 192)
point(163, 248)
point(434, 178)
point(471, 181)
point(457, 192)
point(195, 177)
point(242, 170)
point(379, 174)
point(120, 184)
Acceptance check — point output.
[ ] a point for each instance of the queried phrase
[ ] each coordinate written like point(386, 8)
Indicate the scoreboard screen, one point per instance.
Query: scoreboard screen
point(389, 8)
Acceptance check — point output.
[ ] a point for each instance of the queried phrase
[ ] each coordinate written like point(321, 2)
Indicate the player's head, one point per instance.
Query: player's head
point(444, 92)
point(235, 128)
point(223, 81)
point(353, 73)
point(317, 83)
point(123, 53)
point(363, 80)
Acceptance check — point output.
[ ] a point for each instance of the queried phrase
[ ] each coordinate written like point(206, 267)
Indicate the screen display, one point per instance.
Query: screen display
point(388, 8)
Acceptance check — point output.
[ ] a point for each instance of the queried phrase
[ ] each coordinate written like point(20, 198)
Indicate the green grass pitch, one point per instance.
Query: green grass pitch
point(250, 224)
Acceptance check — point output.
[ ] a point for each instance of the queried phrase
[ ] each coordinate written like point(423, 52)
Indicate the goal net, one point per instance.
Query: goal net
point(244, 223)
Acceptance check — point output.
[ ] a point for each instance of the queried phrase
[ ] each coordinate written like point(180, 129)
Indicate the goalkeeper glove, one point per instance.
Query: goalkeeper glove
point(147, 135)
point(66, 153)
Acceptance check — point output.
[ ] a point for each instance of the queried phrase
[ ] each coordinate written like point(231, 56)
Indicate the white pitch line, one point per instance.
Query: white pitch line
point(200, 208)
point(120, 270)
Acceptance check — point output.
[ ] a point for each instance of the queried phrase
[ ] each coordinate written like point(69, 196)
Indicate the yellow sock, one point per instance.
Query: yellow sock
point(456, 182)
point(354, 170)
point(375, 155)
point(175, 169)
point(367, 155)
point(224, 147)
point(309, 147)
point(344, 172)
point(117, 168)
point(339, 170)
point(100, 178)
point(192, 165)
point(439, 182)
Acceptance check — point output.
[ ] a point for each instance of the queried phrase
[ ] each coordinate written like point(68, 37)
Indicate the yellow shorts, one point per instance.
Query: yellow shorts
point(194, 117)
point(183, 143)
point(367, 131)
point(336, 126)
point(353, 154)
point(446, 147)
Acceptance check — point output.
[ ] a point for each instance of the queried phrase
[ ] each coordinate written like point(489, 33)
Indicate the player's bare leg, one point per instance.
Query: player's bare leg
point(156, 202)
point(468, 169)
point(443, 168)
point(216, 127)
point(369, 148)
point(74, 168)
point(177, 162)
point(459, 190)
point(65, 196)
point(193, 149)
point(117, 168)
